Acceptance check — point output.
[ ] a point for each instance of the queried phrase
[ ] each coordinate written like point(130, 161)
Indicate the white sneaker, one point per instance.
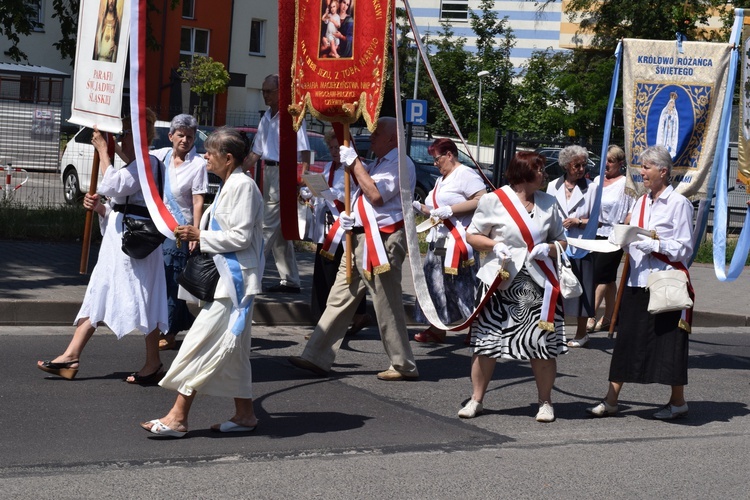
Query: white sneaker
point(471, 410)
point(603, 409)
point(670, 412)
point(546, 413)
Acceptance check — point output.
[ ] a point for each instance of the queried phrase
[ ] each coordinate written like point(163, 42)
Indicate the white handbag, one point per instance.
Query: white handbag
point(570, 287)
point(668, 291)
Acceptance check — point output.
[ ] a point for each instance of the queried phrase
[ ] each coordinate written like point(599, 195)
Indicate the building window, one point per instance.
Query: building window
point(454, 10)
point(188, 9)
point(36, 16)
point(257, 37)
point(193, 42)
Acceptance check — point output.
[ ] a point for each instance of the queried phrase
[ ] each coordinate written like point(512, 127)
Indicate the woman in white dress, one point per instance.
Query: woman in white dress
point(214, 358)
point(574, 202)
point(125, 293)
point(185, 184)
point(450, 266)
point(615, 207)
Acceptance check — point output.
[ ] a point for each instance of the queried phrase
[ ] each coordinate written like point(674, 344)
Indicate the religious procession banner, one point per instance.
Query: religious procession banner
point(743, 141)
point(339, 60)
point(99, 73)
point(672, 95)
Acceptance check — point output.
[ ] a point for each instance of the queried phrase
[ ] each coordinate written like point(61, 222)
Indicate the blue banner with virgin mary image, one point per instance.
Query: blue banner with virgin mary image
point(672, 96)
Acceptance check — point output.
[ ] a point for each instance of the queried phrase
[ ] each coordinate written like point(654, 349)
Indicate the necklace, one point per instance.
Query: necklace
point(529, 206)
point(570, 190)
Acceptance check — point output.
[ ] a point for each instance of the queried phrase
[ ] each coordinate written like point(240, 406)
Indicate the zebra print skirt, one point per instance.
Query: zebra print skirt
point(508, 326)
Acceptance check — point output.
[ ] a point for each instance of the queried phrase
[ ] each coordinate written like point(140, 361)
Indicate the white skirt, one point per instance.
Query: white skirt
point(203, 365)
point(125, 293)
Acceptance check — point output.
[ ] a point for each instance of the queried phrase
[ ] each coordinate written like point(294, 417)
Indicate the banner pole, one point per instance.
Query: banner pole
point(84, 267)
point(618, 300)
point(348, 207)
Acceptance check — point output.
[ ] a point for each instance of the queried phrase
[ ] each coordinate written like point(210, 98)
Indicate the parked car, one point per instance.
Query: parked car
point(427, 172)
point(78, 157)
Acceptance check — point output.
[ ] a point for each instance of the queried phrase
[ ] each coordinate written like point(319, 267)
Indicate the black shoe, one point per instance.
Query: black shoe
point(283, 289)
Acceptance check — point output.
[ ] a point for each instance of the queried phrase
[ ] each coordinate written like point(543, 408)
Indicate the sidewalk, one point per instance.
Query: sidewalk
point(40, 285)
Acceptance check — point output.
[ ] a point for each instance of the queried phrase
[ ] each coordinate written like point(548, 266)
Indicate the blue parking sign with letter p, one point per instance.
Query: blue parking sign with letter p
point(416, 111)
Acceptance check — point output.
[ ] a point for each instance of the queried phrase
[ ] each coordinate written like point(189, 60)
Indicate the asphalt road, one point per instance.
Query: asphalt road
point(352, 436)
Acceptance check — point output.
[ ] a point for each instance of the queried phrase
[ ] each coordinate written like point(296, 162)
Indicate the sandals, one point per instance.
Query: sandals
point(161, 429)
point(167, 342)
point(429, 336)
point(603, 324)
point(64, 370)
point(151, 379)
point(591, 325)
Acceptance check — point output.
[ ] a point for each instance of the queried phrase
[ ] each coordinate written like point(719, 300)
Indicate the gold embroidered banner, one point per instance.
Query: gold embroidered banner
point(743, 141)
point(339, 58)
point(674, 98)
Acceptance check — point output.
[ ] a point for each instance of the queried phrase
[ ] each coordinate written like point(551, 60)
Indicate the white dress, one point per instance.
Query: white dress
point(202, 364)
point(125, 293)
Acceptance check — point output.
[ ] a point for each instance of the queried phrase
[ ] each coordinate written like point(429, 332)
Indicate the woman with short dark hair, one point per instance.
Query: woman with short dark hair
point(518, 225)
point(450, 265)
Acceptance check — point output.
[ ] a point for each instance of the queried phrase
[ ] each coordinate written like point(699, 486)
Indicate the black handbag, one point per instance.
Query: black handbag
point(140, 237)
point(200, 276)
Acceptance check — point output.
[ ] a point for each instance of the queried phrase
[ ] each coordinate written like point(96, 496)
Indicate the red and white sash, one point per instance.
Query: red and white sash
point(686, 318)
point(457, 251)
point(156, 207)
point(335, 235)
point(531, 236)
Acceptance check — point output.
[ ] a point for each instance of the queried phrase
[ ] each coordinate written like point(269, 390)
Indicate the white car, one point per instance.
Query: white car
point(78, 157)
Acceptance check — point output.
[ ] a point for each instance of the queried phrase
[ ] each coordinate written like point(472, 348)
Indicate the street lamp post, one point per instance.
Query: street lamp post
point(479, 114)
point(410, 35)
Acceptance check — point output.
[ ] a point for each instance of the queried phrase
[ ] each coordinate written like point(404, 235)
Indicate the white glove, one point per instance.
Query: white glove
point(442, 212)
point(501, 250)
point(646, 244)
point(346, 221)
point(347, 155)
point(539, 252)
point(305, 193)
point(417, 206)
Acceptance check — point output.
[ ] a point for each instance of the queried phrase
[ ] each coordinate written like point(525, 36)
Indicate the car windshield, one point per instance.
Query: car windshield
point(419, 154)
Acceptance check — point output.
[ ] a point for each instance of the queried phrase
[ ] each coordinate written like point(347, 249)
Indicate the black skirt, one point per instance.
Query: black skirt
point(606, 265)
point(650, 348)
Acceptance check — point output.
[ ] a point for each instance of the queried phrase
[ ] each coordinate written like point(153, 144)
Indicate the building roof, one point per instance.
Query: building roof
point(25, 69)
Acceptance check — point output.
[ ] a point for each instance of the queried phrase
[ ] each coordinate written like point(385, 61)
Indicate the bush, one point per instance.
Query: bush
point(61, 224)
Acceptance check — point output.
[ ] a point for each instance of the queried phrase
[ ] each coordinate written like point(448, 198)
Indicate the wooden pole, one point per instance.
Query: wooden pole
point(620, 291)
point(84, 268)
point(348, 207)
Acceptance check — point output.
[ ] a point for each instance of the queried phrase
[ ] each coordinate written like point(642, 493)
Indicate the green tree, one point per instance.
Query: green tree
point(206, 77)
point(494, 42)
point(543, 107)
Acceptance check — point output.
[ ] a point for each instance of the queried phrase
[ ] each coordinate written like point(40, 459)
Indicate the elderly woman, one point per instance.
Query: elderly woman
point(522, 317)
point(325, 230)
point(653, 348)
point(214, 358)
point(574, 203)
point(450, 266)
point(615, 209)
point(125, 293)
point(185, 184)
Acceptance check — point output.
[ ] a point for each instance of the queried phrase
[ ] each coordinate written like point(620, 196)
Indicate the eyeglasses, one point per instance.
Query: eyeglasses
point(269, 91)
point(578, 165)
point(436, 158)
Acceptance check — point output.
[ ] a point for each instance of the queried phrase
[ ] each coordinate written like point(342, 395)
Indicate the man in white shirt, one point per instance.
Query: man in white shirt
point(266, 146)
point(377, 223)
